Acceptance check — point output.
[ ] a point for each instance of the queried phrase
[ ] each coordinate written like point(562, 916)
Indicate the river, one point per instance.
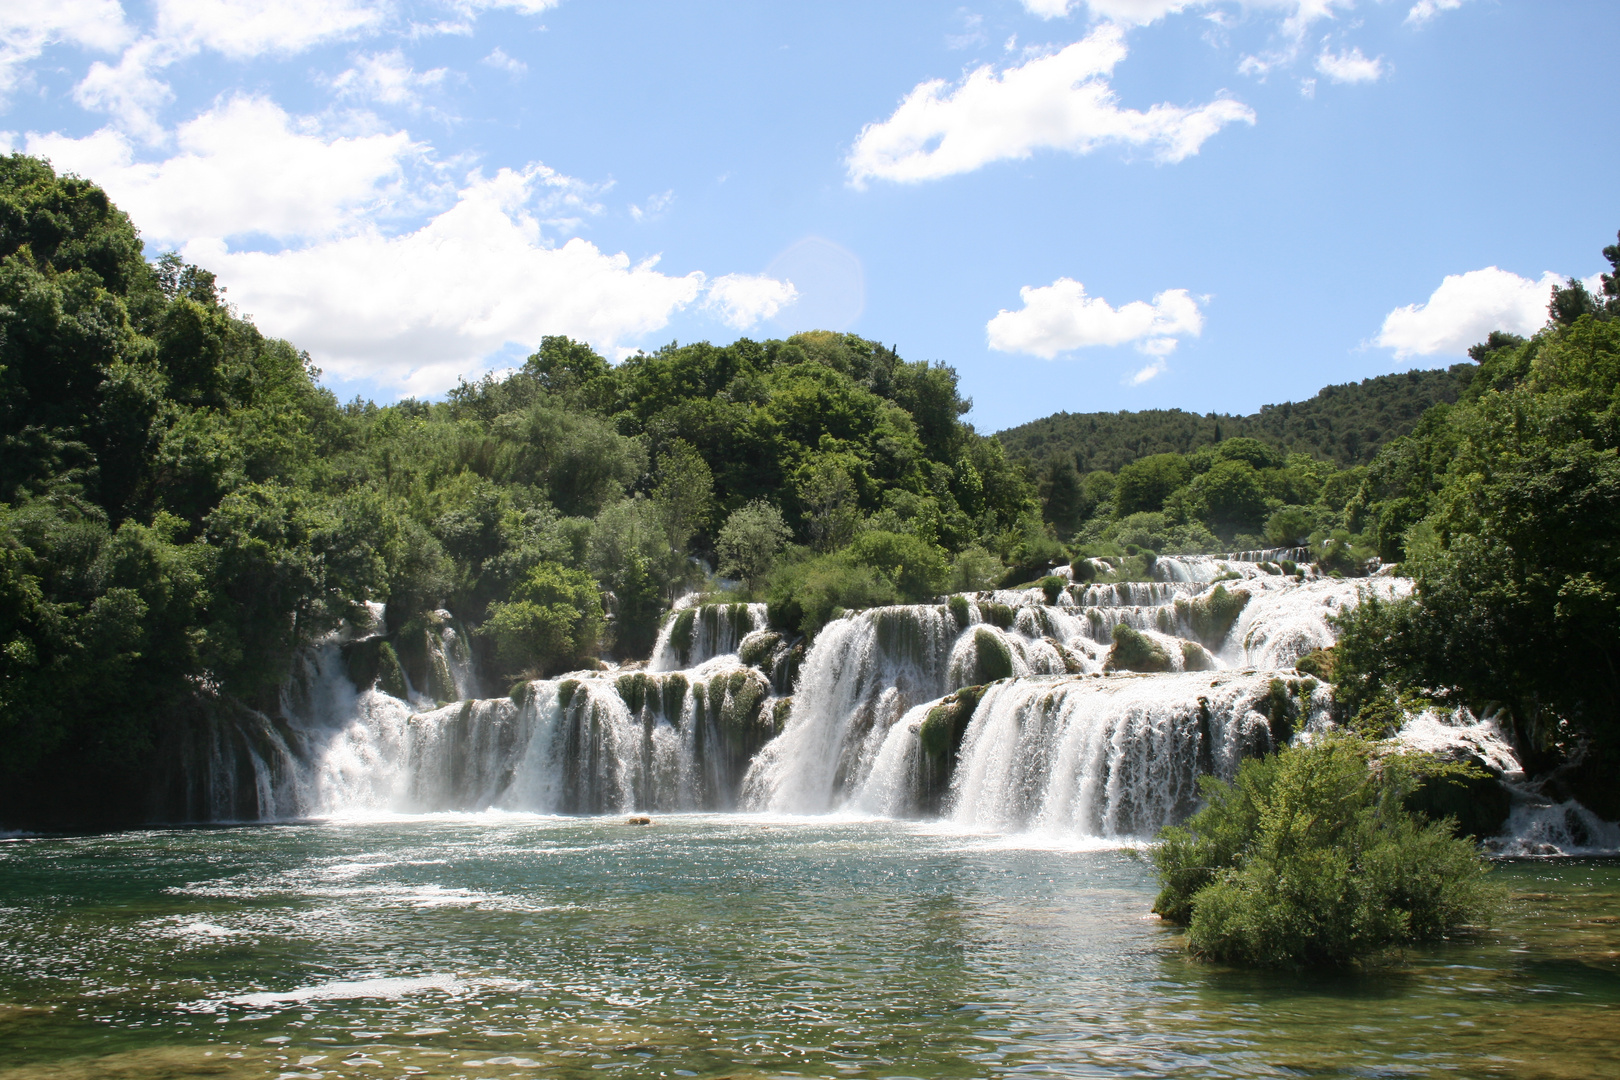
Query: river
point(742, 945)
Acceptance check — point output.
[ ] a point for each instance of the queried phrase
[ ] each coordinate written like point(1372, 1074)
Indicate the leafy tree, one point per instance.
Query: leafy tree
point(750, 540)
point(683, 494)
point(552, 623)
point(1146, 483)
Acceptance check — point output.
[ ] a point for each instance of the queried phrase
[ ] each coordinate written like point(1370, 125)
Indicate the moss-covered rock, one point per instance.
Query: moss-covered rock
point(632, 690)
point(565, 692)
point(1082, 570)
point(1318, 662)
point(675, 689)
point(1072, 664)
point(1210, 617)
point(758, 650)
point(961, 611)
point(680, 633)
point(521, 692)
point(1052, 587)
point(941, 732)
point(1135, 651)
point(1194, 657)
point(998, 615)
point(374, 663)
point(992, 659)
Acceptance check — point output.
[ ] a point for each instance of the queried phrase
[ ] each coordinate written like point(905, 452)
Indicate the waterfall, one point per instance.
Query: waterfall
point(1086, 712)
point(1114, 757)
point(862, 674)
point(691, 635)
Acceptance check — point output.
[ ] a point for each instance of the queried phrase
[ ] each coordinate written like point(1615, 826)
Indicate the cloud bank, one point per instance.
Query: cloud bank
point(1057, 102)
point(319, 236)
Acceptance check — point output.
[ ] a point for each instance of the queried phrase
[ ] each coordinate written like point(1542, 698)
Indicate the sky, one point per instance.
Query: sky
point(1078, 204)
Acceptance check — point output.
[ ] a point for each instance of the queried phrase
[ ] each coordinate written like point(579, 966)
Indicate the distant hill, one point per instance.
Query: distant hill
point(1345, 423)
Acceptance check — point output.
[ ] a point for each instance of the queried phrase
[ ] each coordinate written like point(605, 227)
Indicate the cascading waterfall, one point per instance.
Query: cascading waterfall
point(1089, 711)
point(692, 635)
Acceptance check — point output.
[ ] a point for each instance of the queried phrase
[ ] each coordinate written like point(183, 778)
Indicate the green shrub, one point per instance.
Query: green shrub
point(1290, 526)
point(916, 567)
point(1311, 858)
point(1052, 586)
point(804, 594)
point(975, 569)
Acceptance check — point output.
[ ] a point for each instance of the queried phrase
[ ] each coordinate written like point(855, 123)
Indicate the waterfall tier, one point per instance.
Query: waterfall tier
point(1087, 712)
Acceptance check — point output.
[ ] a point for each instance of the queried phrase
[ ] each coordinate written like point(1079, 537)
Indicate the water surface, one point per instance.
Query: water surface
point(723, 945)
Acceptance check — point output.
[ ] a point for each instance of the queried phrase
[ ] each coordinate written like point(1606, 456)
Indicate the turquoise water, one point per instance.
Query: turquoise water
point(723, 945)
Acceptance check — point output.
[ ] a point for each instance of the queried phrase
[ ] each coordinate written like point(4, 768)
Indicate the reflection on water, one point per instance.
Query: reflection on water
point(499, 946)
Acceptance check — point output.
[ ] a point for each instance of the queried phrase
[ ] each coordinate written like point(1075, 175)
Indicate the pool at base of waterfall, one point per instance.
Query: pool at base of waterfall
point(516, 945)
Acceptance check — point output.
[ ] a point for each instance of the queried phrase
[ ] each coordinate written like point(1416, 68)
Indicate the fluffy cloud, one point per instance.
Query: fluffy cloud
point(1059, 317)
point(133, 90)
point(500, 61)
point(413, 307)
point(387, 79)
point(1350, 67)
point(420, 309)
point(745, 300)
point(1059, 102)
point(1465, 309)
point(246, 28)
point(244, 167)
point(29, 27)
point(1424, 10)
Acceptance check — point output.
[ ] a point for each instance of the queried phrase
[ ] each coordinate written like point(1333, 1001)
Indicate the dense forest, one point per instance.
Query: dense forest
point(1346, 424)
point(183, 508)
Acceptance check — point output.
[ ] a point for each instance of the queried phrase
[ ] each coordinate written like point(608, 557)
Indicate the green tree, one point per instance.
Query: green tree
point(1146, 483)
point(750, 540)
point(552, 623)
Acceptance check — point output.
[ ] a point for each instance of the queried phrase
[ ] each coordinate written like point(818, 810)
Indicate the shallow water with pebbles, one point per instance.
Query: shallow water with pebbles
point(503, 945)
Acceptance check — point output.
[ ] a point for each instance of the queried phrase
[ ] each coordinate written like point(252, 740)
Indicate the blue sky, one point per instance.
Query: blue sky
point(1098, 204)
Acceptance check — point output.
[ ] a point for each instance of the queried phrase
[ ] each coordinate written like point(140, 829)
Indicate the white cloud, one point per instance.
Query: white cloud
point(29, 27)
point(1059, 102)
point(413, 307)
point(387, 79)
point(1150, 371)
point(1350, 67)
point(244, 167)
point(1131, 12)
point(1059, 317)
point(1465, 309)
point(246, 28)
point(652, 208)
point(1297, 20)
point(742, 301)
point(500, 61)
point(418, 310)
point(129, 92)
point(1424, 10)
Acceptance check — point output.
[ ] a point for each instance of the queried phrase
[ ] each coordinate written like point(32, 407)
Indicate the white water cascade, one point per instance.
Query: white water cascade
point(1086, 712)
